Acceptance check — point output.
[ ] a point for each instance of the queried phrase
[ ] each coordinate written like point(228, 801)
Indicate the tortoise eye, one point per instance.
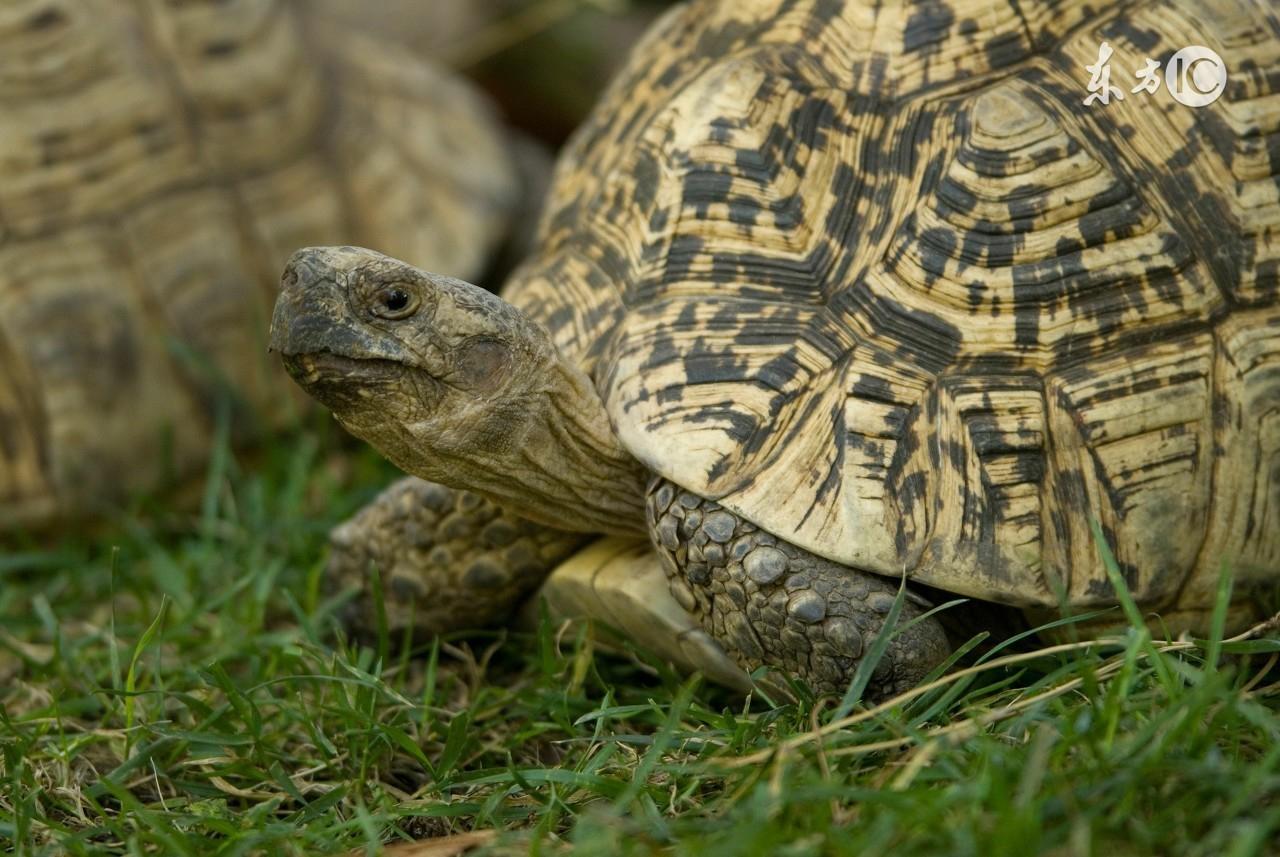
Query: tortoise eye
point(394, 303)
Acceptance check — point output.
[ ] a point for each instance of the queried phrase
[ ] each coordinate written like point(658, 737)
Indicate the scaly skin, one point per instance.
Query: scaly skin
point(448, 560)
point(770, 603)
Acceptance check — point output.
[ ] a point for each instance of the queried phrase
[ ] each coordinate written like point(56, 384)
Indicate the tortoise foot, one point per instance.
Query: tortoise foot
point(770, 603)
point(447, 560)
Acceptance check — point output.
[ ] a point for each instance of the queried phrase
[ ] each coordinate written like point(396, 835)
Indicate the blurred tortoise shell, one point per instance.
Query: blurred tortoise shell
point(159, 161)
point(876, 277)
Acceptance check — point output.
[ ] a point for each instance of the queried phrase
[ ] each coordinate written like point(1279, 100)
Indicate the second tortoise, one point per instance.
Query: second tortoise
point(159, 162)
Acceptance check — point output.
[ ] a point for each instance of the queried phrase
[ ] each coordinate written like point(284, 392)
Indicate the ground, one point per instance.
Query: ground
point(176, 683)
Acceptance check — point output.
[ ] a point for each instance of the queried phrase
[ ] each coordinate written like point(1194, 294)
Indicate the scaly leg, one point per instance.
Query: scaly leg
point(448, 560)
point(771, 603)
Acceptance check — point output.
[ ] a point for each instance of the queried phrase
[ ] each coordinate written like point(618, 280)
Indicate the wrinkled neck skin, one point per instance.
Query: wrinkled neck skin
point(464, 390)
point(545, 452)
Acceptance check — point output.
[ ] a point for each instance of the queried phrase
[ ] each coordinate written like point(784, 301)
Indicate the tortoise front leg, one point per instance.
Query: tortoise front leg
point(448, 560)
point(770, 603)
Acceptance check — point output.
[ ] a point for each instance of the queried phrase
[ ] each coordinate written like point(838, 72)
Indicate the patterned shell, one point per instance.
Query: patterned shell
point(873, 275)
point(158, 163)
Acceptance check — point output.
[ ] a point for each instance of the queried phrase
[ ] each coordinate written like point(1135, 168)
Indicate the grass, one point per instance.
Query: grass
point(177, 685)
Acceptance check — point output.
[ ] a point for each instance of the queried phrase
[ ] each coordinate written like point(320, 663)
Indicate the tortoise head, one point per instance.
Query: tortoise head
point(388, 347)
point(452, 384)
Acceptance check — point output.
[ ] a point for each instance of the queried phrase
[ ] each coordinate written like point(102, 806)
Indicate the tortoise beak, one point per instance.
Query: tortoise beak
point(304, 319)
point(312, 314)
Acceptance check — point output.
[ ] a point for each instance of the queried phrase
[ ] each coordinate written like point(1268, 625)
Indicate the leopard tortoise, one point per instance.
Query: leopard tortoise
point(159, 161)
point(830, 294)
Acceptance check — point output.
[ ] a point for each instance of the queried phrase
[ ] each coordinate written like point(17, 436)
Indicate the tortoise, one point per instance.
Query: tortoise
point(835, 298)
point(159, 162)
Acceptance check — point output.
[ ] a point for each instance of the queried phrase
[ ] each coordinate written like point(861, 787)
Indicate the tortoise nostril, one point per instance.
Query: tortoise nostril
point(307, 266)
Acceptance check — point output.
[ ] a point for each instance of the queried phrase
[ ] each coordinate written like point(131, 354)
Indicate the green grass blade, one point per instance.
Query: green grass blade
point(875, 653)
point(131, 679)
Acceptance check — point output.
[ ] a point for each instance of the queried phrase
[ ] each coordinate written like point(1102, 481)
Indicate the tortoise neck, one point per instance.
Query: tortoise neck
point(541, 446)
point(565, 466)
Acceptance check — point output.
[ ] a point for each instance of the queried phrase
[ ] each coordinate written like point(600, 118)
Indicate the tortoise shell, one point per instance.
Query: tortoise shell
point(875, 276)
point(159, 161)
